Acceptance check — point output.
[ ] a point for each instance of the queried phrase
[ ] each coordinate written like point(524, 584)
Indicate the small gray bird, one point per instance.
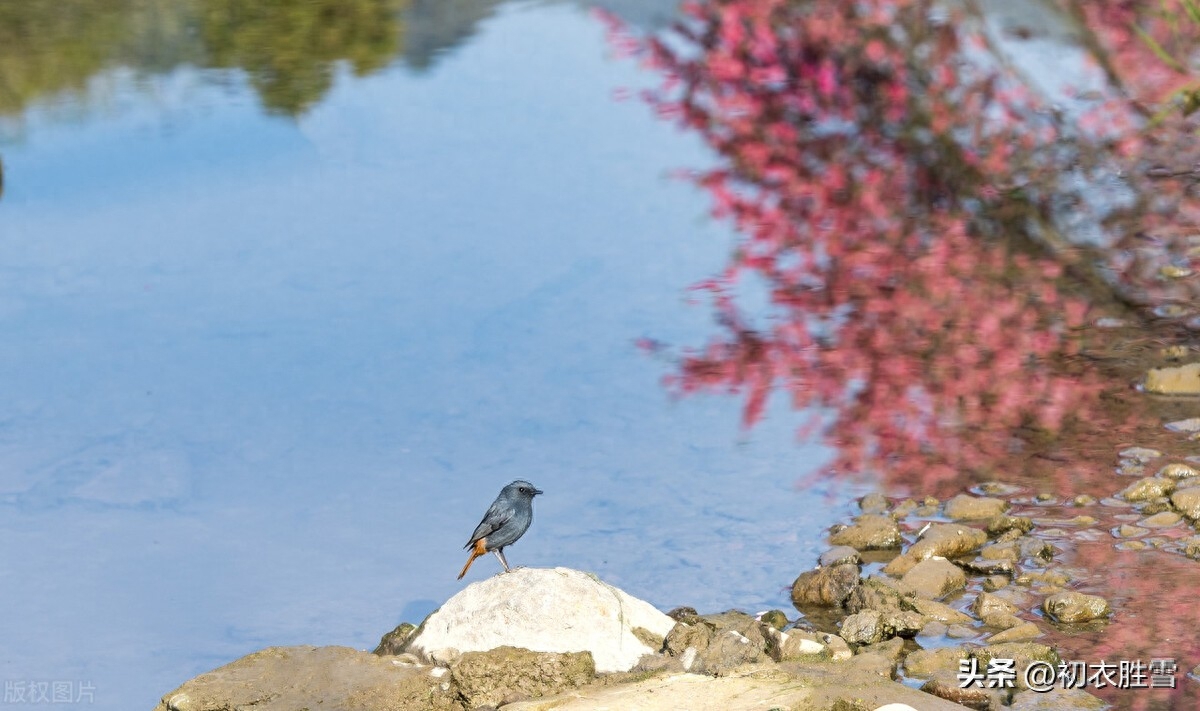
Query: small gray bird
point(506, 520)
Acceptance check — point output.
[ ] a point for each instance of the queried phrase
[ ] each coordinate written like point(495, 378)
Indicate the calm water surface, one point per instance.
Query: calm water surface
point(263, 373)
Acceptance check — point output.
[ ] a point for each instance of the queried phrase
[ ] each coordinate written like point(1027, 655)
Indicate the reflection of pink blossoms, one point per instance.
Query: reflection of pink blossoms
point(861, 155)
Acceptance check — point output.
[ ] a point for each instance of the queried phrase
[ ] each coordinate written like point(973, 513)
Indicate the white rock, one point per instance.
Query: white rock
point(559, 610)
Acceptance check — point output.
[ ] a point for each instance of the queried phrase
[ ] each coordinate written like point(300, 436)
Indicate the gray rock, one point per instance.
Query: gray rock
point(719, 643)
point(965, 507)
point(839, 555)
point(289, 678)
point(508, 674)
point(528, 607)
point(825, 587)
point(934, 578)
point(902, 623)
point(875, 594)
point(794, 644)
point(869, 532)
point(947, 540)
point(1146, 489)
point(1071, 607)
point(1140, 454)
point(864, 627)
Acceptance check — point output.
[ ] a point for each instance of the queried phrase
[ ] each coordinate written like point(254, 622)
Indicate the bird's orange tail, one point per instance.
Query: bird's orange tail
point(479, 549)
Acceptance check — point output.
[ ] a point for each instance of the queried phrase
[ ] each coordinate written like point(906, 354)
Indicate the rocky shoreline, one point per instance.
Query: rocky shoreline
point(911, 594)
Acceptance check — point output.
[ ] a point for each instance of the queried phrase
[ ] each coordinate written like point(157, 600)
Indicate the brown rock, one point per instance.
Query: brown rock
point(507, 674)
point(947, 540)
point(934, 578)
point(1146, 489)
point(288, 678)
point(1187, 501)
point(825, 587)
point(1070, 607)
point(869, 532)
point(965, 507)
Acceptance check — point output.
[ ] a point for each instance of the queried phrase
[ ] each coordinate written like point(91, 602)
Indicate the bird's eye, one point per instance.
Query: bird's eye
point(523, 490)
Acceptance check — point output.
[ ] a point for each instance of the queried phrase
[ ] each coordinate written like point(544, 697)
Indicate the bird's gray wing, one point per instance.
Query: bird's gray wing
point(498, 514)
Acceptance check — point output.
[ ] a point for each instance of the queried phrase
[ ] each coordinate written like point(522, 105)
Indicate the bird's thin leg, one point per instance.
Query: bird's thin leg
point(500, 554)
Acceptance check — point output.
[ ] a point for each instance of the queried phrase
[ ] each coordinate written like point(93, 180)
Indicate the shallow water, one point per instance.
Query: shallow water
point(262, 374)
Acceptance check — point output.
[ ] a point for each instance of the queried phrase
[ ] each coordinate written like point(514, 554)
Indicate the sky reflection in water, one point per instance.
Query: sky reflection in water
point(262, 375)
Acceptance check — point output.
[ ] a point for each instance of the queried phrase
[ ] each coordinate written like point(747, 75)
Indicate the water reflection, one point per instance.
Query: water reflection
point(907, 276)
point(289, 49)
point(882, 202)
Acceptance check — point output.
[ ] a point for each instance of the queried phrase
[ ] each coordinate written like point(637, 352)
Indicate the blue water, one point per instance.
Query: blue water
point(261, 376)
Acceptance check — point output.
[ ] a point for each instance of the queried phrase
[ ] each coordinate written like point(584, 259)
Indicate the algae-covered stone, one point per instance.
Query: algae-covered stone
point(869, 532)
point(1071, 607)
point(965, 507)
point(864, 627)
point(1176, 470)
point(395, 641)
point(1003, 523)
point(507, 674)
point(774, 618)
point(1147, 489)
point(1187, 501)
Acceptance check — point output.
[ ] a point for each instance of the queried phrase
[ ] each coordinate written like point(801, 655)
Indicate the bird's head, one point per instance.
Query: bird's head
point(521, 489)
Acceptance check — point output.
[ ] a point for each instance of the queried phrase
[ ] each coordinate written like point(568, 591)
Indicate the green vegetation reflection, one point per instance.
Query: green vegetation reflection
point(290, 49)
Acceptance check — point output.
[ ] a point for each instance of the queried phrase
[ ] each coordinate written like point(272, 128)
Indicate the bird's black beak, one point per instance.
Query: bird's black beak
point(536, 491)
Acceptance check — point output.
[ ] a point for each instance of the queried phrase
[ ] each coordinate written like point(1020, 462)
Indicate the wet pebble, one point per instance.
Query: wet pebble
point(1001, 524)
point(1084, 500)
point(1187, 502)
point(965, 507)
point(1147, 489)
point(1140, 454)
point(1126, 530)
point(1164, 519)
point(1189, 425)
point(1175, 470)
